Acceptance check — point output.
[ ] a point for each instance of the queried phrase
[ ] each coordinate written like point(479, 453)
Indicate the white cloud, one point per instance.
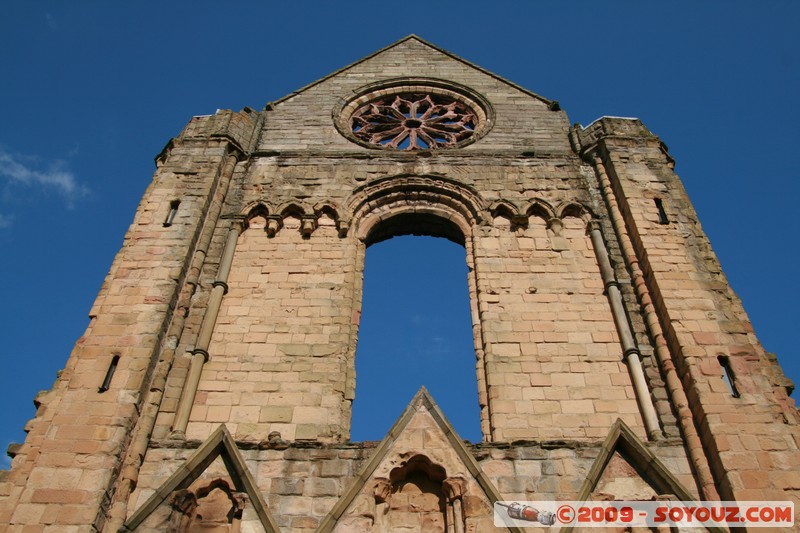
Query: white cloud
point(20, 171)
point(438, 346)
point(5, 221)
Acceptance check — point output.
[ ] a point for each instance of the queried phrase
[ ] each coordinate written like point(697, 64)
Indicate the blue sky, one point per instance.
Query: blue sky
point(93, 91)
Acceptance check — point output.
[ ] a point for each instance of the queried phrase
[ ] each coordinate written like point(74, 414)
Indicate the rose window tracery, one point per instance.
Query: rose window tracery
point(414, 121)
point(411, 114)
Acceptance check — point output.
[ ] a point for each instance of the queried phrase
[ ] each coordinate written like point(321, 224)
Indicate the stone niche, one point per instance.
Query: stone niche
point(213, 508)
point(418, 496)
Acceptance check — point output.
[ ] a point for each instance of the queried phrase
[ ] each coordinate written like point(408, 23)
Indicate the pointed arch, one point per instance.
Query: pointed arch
point(298, 209)
point(573, 209)
point(256, 208)
point(329, 208)
point(332, 210)
point(507, 210)
point(542, 209)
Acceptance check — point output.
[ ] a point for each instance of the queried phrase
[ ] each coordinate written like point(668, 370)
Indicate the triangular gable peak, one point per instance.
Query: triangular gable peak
point(621, 440)
point(623, 456)
point(404, 41)
point(422, 462)
point(486, 112)
point(228, 490)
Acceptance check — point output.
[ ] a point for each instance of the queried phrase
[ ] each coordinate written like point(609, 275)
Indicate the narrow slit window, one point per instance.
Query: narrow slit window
point(727, 375)
point(662, 215)
point(109, 374)
point(173, 210)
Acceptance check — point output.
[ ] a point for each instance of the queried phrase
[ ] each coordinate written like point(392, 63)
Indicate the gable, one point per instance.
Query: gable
point(523, 121)
point(421, 477)
point(214, 480)
point(626, 465)
point(621, 481)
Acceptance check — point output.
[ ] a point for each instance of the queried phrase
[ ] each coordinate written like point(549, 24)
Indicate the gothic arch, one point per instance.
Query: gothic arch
point(253, 210)
point(298, 209)
point(507, 210)
point(573, 209)
point(258, 208)
point(329, 208)
point(542, 209)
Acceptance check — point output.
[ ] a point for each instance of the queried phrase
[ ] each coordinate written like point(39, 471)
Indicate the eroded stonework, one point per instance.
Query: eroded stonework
point(213, 388)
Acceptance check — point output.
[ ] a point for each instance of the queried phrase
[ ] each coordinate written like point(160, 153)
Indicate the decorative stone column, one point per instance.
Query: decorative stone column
point(454, 492)
point(200, 353)
point(629, 348)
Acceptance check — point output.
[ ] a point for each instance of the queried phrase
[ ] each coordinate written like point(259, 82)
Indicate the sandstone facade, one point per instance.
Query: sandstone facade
point(602, 321)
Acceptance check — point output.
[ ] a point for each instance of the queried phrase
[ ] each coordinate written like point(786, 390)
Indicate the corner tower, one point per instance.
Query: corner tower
point(215, 381)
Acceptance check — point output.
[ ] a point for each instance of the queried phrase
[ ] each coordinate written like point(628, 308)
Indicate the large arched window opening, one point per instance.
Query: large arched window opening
point(415, 328)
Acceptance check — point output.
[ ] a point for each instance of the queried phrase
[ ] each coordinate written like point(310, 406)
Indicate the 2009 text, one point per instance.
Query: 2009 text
point(644, 513)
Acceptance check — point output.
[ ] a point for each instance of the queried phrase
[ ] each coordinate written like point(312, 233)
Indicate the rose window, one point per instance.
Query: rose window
point(412, 121)
point(414, 114)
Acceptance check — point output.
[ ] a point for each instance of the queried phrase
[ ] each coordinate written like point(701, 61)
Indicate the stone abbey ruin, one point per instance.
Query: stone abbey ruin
point(212, 390)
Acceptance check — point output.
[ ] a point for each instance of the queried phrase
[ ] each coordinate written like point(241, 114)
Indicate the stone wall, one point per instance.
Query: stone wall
point(305, 481)
point(601, 326)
